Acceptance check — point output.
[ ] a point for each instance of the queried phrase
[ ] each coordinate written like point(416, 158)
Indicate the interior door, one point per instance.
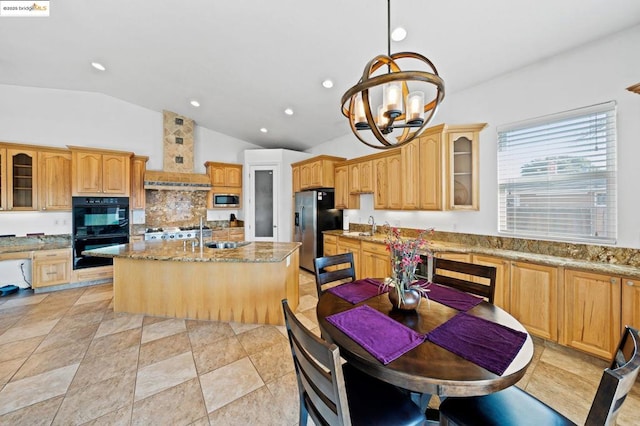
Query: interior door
point(264, 190)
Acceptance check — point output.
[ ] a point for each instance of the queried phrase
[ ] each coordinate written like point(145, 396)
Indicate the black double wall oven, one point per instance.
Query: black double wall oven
point(98, 222)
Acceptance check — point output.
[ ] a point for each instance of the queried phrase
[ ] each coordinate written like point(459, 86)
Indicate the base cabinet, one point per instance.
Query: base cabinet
point(346, 245)
point(376, 261)
point(503, 271)
point(591, 312)
point(51, 267)
point(630, 302)
point(534, 298)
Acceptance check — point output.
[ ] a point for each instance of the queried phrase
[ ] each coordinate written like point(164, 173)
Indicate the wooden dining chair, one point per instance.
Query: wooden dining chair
point(514, 406)
point(341, 268)
point(468, 277)
point(333, 393)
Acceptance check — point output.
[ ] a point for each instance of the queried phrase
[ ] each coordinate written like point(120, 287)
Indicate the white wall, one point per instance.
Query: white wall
point(594, 73)
point(58, 118)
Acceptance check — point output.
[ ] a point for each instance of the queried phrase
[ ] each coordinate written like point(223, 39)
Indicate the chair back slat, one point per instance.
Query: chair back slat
point(319, 373)
point(483, 276)
point(616, 381)
point(341, 268)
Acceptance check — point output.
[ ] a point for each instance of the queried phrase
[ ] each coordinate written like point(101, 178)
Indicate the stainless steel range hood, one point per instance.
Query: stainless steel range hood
point(176, 181)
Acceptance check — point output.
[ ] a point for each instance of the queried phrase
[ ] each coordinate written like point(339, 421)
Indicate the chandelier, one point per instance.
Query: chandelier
point(402, 114)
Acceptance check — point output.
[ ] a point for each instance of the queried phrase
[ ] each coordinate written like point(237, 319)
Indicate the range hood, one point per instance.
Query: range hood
point(176, 181)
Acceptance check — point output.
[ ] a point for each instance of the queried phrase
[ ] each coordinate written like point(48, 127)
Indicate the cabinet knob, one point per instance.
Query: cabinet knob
point(613, 280)
point(630, 283)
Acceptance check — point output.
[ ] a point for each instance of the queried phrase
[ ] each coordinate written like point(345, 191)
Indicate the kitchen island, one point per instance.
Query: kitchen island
point(176, 279)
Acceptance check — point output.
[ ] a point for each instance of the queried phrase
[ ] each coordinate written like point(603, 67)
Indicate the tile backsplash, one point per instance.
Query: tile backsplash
point(174, 208)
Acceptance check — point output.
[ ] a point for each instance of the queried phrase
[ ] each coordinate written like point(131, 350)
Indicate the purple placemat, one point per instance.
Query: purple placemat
point(357, 291)
point(383, 337)
point(452, 297)
point(490, 345)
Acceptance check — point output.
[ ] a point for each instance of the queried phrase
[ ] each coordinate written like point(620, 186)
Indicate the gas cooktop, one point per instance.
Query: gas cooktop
point(176, 233)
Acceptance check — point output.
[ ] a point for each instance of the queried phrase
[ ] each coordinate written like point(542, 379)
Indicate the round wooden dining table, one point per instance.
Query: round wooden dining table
point(428, 368)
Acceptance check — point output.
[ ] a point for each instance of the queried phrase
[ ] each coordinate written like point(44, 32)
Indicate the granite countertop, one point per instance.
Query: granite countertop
point(28, 244)
point(254, 252)
point(441, 247)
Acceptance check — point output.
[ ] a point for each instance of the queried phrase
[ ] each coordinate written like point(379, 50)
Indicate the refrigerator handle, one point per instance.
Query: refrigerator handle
point(302, 218)
point(297, 219)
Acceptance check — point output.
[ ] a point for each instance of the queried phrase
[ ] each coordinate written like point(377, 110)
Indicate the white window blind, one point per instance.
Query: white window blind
point(557, 176)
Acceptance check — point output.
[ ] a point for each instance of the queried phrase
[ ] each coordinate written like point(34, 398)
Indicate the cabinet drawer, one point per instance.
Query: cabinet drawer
point(375, 247)
point(52, 254)
point(349, 242)
point(91, 274)
point(330, 239)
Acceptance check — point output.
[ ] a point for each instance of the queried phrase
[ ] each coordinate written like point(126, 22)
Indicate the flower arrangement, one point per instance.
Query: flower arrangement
point(405, 257)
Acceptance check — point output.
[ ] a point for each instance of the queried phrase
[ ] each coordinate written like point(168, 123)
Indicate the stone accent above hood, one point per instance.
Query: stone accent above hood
point(154, 179)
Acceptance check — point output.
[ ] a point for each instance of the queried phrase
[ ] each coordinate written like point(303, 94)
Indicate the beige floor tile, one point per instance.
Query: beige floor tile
point(180, 405)
point(107, 294)
point(27, 331)
point(162, 375)
point(39, 414)
point(218, 354)
point(20, 348)
point(99, 306)
point(24, 301)
point(38, 363)
point(307, 302)
point(260, 338)
point(161, 349)
point(239, 327)
point(119, 417)
point(285, 394)
point(22, 393)
point(118, 324)
point(61, 337)
point(585, 366)
point(229, 383)
point(100, 368)
point(258, 407)
point(113, 343)
point(204, 333)
point(9, 368)
point(94, 401)
point(204, 421)
point(273, 362)
point(163, 329)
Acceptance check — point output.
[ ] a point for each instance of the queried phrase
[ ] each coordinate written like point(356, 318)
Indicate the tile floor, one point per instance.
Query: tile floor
point(67, 359)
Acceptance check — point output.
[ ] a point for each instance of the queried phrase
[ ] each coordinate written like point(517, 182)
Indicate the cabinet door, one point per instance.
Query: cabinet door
point(534, 298)
point(394, 182)
point(430, 181)
point(463, 184)
point(22, 178)
point(3, 179)
point(51, 267)
point(316, 174)
point(86, 173)
point(410, 175)
point(138, 168)
point(459, 257)
point(630, 303)
point(376, 262)
point(295, 176)
point(55, 180)
point(305, 176)
point(341, 194)
point(217, 175)
point(233, 176)
point(346, 245)
point(380, 193)
point(501, 296)
point(354, 178)
point(366, 176)
point(591, 312)
point(115, 174)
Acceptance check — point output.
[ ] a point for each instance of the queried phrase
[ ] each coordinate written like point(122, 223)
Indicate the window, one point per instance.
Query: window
point(557, 176)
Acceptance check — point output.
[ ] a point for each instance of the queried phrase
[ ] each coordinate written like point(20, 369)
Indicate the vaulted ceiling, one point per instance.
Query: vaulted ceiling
point(246, 61)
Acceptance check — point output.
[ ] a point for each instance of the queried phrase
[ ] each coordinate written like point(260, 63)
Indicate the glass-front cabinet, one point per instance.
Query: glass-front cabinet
point(462, 181)
point(21, 179)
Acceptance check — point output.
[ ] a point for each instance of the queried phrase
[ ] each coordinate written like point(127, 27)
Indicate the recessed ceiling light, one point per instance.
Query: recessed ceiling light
point(398, 34)
point(328, 84)
point(288, 111)
point(264, 130)
point(195, 103)
point(98, 66)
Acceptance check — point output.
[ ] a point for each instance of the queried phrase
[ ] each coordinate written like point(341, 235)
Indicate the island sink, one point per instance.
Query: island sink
point(226, 244)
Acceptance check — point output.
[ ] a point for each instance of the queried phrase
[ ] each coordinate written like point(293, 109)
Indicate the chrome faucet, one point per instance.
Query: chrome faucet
point(372, 222)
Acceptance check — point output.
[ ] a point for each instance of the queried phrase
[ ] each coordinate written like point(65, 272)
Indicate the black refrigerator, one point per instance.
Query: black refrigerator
point(315, 212)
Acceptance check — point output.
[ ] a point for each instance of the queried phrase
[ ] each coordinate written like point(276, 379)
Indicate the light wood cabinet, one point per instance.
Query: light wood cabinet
point(295, 178)
point(630, 303)
point(99, 273)
point(534, 298)
point(330, 245)
point(51, 267)
point(503, 272)
point(463, 164)
point(361, 177)
point(317, 172)
point(137, 199)
point(591, 312)
point(376, 260)
point(22, 179)
point(387, 186)
point(431, 167)
point(99, 172)
point(346, 245)
point(343, 198)
point(224, 174)
point(410, 174)
point(54, 187)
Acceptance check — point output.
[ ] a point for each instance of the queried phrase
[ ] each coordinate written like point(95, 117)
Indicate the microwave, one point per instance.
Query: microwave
point(225, 200)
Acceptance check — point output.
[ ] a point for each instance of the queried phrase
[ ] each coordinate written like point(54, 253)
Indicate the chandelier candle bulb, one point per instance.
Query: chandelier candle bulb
point(381, 120)
point(360, 118)
point(415, 108)
point(392, 99)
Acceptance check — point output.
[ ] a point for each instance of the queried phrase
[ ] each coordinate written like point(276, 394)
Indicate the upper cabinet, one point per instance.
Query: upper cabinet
point(361, 177)
point(138, 169)
point(98, 172)
point(54, 188)
point(316, 172)
point(224, 174)
point(19, 178)
point(387, 183)
point(343, 198)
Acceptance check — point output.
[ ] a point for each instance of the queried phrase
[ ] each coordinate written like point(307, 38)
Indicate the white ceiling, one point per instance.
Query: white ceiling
point(248, 60)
